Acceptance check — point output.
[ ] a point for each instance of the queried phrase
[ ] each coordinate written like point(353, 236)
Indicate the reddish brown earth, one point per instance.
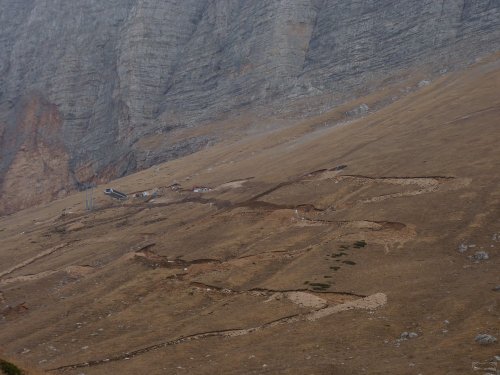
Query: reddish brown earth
point(39, 171)
point(317, 247)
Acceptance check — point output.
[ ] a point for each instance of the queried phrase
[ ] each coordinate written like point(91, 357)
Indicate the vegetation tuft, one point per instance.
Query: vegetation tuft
point(8, 368)
point(359, 244)
point(319, 286)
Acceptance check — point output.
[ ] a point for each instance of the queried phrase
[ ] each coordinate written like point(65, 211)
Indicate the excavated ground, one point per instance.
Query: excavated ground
point(306, 256)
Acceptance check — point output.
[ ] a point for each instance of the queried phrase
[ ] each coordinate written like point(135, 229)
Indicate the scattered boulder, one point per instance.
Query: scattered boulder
point(408, 335)
point(359, 110)
point(496, 289)
point(481, 255)
point(424, 83)
point(462, 248)
point(485, 339)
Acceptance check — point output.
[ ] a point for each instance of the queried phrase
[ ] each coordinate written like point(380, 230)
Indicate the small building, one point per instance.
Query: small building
point(201, 189)
point(115, 194)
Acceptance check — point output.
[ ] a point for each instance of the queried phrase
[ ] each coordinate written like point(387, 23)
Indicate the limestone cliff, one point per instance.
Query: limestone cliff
point(103, 75)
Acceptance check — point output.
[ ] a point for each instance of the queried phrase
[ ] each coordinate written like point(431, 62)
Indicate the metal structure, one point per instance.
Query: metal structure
point(89, 197)
point(115, 194)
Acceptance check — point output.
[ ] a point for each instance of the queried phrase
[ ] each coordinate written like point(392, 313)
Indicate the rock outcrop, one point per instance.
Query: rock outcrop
point(104, 75)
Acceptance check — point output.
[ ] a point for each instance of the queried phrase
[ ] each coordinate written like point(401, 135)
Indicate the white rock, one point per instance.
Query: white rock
point(485, 339)
point(481, 255)
point(424, 83)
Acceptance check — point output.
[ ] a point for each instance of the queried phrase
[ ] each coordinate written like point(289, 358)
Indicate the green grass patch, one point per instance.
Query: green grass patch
point(9, 368)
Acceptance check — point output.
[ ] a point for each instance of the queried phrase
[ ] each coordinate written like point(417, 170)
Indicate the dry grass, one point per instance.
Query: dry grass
point(421, 178)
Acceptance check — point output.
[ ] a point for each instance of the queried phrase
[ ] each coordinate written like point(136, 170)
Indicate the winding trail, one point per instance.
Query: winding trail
point(386, 230)
point(266, 291)
point(75, 271)
point(334, 173)
point(32, 259)
point(371, 302)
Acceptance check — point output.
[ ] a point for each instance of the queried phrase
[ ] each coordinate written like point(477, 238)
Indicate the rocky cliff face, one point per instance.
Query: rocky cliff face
point(82, 82)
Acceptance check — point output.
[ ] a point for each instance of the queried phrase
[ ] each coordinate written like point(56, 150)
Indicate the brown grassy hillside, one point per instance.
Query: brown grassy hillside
point(317, 246)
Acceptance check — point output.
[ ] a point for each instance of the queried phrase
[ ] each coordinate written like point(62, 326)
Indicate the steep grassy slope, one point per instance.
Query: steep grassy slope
point(315, 248)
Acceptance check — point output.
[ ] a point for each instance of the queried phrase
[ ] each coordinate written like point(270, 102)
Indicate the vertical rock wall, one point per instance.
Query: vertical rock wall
point(117, 71)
